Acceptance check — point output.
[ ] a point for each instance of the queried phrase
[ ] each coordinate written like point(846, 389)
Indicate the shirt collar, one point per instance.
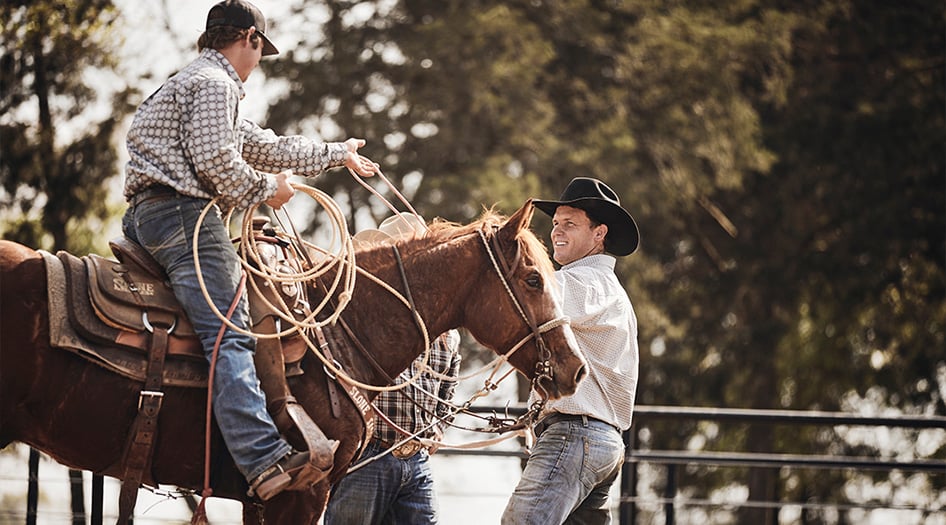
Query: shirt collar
point(217, 58)
point(601, 260)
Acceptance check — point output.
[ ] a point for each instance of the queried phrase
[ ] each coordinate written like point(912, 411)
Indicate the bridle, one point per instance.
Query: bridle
point(543, 366)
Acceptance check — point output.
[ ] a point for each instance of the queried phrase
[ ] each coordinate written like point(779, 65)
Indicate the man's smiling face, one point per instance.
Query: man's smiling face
point(575, 235)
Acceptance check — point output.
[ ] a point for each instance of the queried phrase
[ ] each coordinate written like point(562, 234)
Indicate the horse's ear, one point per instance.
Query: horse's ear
point(518, 222)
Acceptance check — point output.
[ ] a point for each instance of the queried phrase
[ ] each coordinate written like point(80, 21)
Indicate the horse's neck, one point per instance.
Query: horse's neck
point(439, 280)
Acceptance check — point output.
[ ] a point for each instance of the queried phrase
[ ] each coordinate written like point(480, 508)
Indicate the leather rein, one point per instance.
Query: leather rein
point(543, 365)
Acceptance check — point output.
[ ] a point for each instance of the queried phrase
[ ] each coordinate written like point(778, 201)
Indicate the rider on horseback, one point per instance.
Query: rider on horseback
point(188, 145)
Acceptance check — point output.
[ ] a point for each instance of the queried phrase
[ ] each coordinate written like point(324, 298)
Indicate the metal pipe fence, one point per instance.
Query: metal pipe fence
point(671, 460)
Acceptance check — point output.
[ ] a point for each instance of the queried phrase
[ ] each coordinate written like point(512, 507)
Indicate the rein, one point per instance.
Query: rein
point(504, 271)
point(543, 369)
point(543, 365)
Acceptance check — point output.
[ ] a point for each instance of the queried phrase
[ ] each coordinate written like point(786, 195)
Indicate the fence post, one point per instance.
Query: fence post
point(670, 491)
point(627, 508)
point(98, 495)
point(32, 491)
point(78, 496)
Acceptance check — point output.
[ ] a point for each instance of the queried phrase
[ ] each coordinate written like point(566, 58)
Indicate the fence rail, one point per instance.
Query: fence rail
point(670, 459)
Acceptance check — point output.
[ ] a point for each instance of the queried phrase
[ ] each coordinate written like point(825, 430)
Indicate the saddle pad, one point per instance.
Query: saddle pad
point(178, 371)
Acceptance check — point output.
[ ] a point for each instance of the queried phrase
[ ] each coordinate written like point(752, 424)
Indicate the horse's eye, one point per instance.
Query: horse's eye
point(534, 280)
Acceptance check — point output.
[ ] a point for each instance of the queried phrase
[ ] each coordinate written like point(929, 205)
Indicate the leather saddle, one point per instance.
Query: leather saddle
point(127, 308)
point(119, 303)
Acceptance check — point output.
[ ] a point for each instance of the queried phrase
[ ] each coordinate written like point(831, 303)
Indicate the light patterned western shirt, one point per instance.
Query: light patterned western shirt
point(189, 136)
point(605, 327)
point(402, 411)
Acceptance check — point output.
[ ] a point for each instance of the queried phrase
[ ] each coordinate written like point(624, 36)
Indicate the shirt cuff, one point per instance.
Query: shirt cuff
point(337, 151)
point(269, 187)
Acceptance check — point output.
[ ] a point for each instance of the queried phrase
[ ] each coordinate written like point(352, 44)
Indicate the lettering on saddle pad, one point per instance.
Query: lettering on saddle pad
point(101, 314)
point(114, 302)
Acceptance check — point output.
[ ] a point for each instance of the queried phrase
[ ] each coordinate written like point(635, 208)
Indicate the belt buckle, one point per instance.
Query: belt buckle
point(407, 450)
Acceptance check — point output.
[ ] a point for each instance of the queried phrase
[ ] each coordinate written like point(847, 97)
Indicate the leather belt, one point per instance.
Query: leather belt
point(558, 417)
point(406, 450)
point(153, 192)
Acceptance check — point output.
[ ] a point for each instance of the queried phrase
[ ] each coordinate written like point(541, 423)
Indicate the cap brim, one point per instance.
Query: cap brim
point(268, 47)
point(366, 238)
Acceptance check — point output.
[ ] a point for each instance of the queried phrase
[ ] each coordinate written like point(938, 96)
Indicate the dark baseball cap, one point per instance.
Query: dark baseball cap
point(241, 14)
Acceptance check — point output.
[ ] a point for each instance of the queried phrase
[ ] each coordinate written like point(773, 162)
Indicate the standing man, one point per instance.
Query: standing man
point(188, 145)
point(579, 450)
point(398, 487)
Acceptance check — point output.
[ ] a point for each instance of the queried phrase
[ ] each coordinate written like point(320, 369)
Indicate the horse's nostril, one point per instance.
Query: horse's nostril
point(580, 374)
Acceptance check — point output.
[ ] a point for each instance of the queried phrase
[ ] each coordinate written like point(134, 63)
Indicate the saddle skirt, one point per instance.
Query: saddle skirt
point(105, 309)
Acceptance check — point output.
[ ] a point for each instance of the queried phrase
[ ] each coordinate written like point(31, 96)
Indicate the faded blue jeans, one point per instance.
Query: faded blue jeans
point(388, 491)
point(568, 476)
point(165, 227)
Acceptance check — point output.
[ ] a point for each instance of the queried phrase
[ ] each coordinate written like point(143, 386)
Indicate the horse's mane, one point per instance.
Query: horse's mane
point(441, 231)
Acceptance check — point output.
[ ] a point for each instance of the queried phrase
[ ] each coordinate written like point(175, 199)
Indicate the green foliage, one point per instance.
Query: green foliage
point(784, 161)
point(55, 162)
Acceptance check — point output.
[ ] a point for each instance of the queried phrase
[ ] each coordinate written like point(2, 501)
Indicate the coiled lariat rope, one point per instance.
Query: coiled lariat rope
point(343, 283)
point(252, 263)
point(344, 258)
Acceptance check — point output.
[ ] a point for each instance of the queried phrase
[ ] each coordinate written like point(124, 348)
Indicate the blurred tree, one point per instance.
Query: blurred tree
point(54, 162)
point(55, 154)
point(784, 161)
point(445, 93)
point(801, 287)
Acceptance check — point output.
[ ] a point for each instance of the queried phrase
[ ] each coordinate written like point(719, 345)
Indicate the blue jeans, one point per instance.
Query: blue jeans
point(165, 227)
point(389, 491)
point(568, 476)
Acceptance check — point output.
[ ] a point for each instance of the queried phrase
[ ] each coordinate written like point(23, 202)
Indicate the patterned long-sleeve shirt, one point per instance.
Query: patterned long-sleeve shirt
point(445, 360)
point(189, 136)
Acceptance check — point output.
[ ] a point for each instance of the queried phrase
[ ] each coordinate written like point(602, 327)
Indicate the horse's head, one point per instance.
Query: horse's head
point(493, 277)
point(520, 285)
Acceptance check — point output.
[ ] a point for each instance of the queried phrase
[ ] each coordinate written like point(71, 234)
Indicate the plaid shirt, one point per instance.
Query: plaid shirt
point(189, 136)
point(397, 405)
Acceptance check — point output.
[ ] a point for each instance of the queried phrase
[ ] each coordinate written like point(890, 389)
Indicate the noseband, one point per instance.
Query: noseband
point(543, 365)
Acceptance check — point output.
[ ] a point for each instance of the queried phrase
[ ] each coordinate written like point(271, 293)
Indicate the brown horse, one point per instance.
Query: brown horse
point(469, 276)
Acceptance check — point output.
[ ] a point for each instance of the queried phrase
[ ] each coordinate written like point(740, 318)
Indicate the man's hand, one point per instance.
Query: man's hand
point(284, 191)
point(436, 441)
point(363, 166)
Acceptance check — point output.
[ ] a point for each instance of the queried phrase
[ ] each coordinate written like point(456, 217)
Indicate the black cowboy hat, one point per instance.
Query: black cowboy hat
point(601, 204)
